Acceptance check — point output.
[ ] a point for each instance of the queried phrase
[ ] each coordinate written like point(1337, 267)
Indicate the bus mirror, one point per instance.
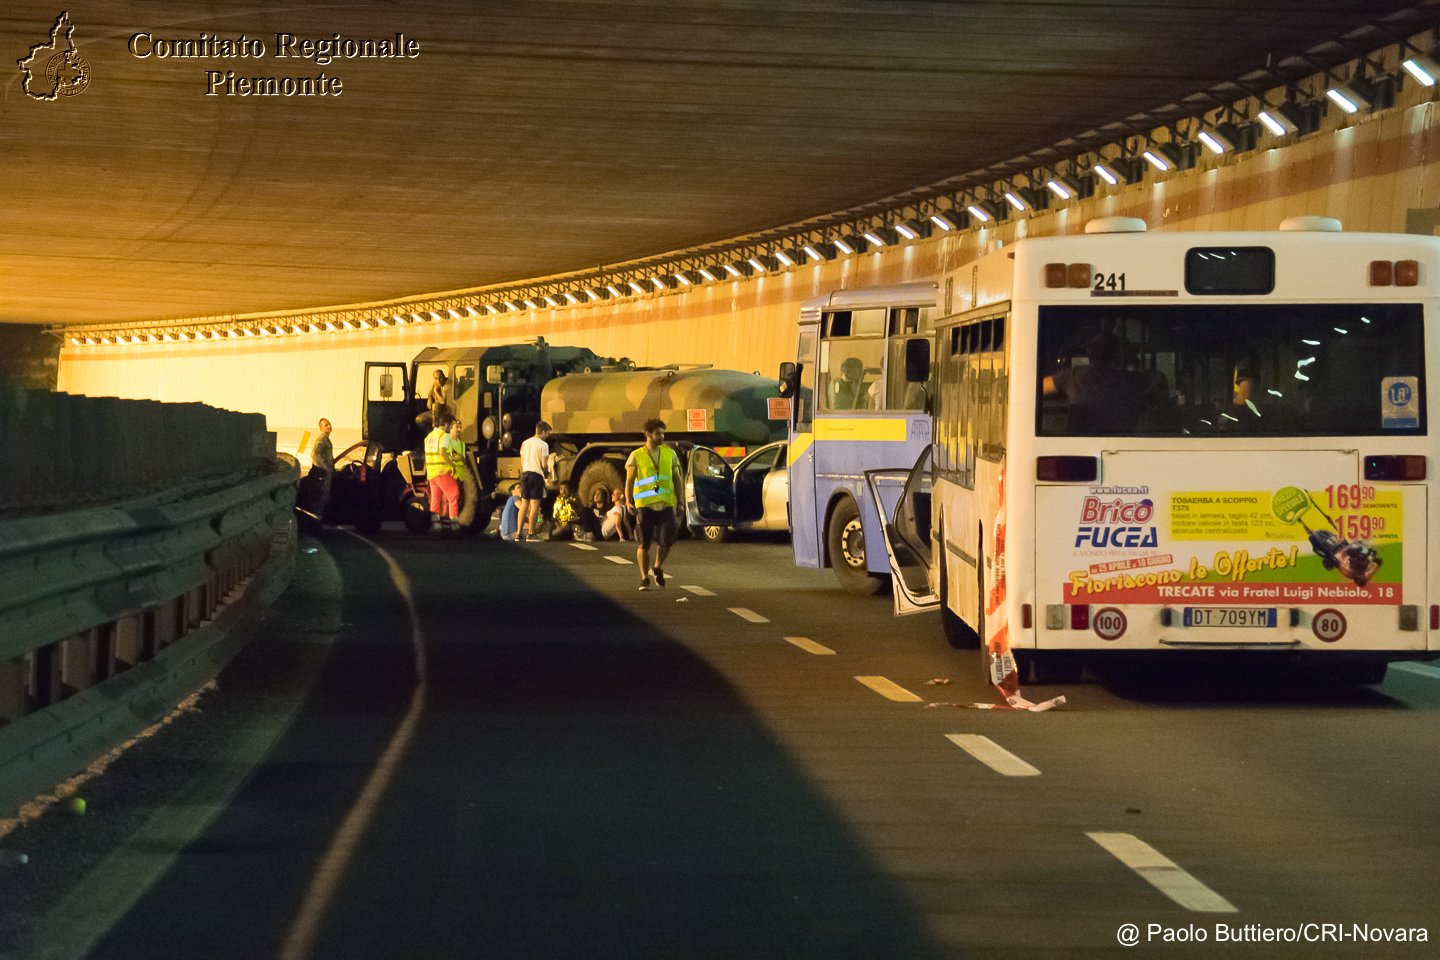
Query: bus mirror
point(789, 378)
point(917, 360)
point(494, 374)
point(387, 386)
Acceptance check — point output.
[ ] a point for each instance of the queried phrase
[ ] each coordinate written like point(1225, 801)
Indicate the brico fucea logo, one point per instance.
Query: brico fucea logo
point(1116, 523)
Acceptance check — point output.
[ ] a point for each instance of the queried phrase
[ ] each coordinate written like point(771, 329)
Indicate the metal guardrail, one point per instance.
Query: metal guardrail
point(63, 450)
point(110, 614)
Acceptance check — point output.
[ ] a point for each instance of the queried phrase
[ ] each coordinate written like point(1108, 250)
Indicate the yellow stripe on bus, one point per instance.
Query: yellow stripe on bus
point(847, 428)
point(798, 445)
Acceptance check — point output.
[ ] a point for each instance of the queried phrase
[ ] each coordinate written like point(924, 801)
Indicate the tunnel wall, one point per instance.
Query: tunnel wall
point(1379, 173)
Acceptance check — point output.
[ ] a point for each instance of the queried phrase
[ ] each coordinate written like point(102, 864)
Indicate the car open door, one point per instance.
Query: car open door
point(907, 536)
point(709, 488)
point(386, 420)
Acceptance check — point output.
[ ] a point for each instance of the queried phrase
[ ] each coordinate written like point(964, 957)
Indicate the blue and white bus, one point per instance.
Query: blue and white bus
point(853, 410)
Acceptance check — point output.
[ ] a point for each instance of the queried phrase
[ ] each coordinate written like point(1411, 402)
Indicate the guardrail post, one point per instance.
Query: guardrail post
point(78, 667)
point(12, 690)
point(44, 677)
point(129, 646)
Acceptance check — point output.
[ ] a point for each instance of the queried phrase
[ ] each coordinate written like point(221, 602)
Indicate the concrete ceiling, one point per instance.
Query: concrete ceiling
point(539, 136)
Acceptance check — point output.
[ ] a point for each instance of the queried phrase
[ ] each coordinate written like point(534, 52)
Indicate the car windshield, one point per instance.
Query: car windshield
point(1222, 369)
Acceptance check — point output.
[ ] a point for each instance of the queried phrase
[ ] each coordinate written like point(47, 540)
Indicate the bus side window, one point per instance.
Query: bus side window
point(805, 397)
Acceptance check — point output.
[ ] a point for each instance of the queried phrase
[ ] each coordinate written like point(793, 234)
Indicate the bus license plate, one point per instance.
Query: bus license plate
point(1229, 616)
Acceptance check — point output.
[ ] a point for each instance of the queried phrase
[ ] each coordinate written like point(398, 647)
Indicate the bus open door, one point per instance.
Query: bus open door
point(908, 536)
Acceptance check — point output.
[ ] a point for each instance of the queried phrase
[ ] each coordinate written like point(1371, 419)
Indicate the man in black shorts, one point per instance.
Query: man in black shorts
point(534, 454)
point(652, 482)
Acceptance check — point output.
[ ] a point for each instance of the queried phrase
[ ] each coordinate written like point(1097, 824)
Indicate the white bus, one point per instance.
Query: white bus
point(1181, 442)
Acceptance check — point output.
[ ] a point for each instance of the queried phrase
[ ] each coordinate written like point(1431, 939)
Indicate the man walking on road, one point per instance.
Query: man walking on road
point(652, 478)
point(533, 456)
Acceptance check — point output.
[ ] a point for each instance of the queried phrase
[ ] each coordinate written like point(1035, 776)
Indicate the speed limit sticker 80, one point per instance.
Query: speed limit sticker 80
point(1329, 625)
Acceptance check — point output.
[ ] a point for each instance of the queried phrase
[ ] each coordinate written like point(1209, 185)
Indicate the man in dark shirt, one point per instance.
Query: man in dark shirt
point(322, 460)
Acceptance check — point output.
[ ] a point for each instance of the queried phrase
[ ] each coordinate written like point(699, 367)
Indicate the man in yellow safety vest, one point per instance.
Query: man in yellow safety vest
point(652, 478)
point(440, 472)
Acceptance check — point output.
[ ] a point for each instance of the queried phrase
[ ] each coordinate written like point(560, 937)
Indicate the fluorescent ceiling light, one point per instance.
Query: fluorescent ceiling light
point(705, 272)
point(1423, 69)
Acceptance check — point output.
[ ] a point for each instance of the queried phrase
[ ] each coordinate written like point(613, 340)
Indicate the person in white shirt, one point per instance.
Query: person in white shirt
point(533, 455)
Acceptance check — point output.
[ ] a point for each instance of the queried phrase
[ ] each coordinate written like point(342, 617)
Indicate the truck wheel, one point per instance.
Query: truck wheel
point(715, 534)
point(417, 515)
point(846, 539)
point(602, 474)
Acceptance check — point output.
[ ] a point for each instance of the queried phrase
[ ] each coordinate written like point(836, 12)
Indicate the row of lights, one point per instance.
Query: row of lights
point(954, 212)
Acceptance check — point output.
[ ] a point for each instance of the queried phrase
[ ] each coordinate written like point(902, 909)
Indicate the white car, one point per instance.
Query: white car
point(752, 495)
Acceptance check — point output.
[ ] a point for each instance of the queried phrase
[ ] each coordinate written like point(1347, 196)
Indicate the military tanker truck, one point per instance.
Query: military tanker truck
point(595, 405)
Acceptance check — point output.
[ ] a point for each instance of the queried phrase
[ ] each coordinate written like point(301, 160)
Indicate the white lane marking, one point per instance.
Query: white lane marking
point(299, 941)
point(1162, 873)
point(810, 646)
point(620, 560)
point(890, 690)
point(698, 591)
point(1419, 669)
point(745, 614)
point(582, 546)
point(993, 755)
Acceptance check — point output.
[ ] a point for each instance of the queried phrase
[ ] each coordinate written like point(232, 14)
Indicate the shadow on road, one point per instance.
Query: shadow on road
point(581, 786)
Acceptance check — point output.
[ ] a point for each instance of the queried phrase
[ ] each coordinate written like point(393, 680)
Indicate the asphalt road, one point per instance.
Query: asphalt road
point(532, 759)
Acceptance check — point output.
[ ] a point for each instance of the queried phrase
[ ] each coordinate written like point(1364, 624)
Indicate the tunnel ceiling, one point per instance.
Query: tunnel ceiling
point(531, 138)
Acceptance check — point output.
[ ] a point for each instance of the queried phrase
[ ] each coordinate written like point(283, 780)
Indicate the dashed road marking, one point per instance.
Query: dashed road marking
point(890, 690)
point(993, 755)
point(1419, 669)
point(1162, 873)
point(620, 560)
point(582, 546)
point(810, 646)
point(698, 591)
point(746, 614)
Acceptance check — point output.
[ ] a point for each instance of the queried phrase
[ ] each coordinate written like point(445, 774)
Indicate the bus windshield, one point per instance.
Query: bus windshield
point(1222, 369)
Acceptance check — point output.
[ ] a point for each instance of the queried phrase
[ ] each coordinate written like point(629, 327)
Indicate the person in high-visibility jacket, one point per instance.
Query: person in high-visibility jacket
point(440, 472)
point(652, 481)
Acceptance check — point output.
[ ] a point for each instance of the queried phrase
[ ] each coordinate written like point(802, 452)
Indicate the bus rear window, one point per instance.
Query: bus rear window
point(1226, 369)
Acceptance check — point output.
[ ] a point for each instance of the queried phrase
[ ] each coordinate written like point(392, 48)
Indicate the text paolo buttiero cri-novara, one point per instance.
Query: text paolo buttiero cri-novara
point(319, 51)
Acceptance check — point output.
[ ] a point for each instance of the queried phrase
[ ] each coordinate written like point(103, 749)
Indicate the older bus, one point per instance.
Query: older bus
point(1182, 442)
point(852, 410)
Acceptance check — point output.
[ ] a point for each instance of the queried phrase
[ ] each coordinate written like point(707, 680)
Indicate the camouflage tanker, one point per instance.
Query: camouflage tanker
point(595, 405)
point(700, 405)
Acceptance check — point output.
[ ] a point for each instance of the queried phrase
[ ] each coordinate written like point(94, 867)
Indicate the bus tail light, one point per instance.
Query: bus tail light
point(1067, 469)
point(1435, 616)
point(1027, 616)
point(1400, 273)
point(1395, 468)
point(1080, 616)
point(1075, 275)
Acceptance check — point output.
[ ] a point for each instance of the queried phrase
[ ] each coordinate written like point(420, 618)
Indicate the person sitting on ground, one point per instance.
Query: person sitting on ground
point(566, 514)
point(619, 522)
point(593, 516)
point(510, 514)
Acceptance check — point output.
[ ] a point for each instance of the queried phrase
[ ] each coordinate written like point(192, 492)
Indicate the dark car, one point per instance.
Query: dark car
point(368, 490)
